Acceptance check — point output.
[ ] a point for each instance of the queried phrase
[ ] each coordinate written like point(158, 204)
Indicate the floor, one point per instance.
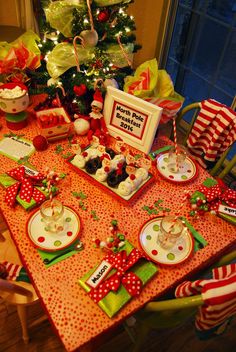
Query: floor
point(44, 339)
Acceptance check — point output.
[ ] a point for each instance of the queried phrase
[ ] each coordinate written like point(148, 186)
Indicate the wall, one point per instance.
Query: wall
point(149, 32)
point(8, 13)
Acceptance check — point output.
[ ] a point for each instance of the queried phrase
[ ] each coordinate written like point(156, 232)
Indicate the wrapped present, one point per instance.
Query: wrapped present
point(18, 56)
point(216, 197)
point(25, 186)
point(118, 278)
point(156, 87)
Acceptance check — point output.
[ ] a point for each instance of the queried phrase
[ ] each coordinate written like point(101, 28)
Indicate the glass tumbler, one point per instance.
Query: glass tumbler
point(176, 161)
point(170, 230)
point(52, 213)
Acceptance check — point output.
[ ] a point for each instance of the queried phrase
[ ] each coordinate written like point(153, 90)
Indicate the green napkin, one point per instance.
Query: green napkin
point(153, 154)
point(62, 254)
point(199, 241)
point(114, 301)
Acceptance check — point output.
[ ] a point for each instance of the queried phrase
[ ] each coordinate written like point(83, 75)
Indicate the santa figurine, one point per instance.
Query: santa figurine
point(97, 121)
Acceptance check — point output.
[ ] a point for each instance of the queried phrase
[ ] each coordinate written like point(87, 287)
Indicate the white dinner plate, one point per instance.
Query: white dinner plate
point(49, 241)
point(148, 239)
point(188, 171)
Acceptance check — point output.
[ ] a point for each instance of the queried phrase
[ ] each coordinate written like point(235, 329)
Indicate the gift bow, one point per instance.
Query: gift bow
point(26, 184)
point(122, 262)
point(217, 194)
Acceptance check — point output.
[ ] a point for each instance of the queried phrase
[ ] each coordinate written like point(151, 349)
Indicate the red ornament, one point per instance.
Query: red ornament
point(80, 90)
point(103, 16)
point(40, 143)
point(55, 103)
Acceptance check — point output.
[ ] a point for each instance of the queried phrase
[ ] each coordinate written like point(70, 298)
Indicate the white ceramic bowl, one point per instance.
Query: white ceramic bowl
point(14, 105)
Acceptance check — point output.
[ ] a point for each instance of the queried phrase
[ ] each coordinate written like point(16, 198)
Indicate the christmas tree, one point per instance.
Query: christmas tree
point(84, 44)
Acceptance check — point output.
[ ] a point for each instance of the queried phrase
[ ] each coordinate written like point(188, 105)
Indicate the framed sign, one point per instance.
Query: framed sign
point(131, 118)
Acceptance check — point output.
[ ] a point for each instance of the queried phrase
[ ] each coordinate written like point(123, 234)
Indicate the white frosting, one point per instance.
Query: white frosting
point(16, 92)
point(101, 175)
point(142, 173)
point(124, 188)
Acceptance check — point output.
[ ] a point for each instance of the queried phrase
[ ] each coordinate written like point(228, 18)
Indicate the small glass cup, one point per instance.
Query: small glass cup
point(171, 229)
point(176, 161)
point(53, 215)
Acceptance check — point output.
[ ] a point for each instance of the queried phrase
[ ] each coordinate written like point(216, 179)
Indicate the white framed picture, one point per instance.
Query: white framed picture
point(131, 118)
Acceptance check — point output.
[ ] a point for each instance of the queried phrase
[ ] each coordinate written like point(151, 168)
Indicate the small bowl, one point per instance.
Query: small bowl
point(14, 105)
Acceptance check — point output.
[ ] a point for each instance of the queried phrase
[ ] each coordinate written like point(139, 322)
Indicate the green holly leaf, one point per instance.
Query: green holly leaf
point(62, 175)
point(59, 149)
point(23, 160)
point(67, 155)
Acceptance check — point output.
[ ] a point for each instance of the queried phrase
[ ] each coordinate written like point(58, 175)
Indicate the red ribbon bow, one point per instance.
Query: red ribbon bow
point(26, 184)
point(122, 262)
point(217, 194)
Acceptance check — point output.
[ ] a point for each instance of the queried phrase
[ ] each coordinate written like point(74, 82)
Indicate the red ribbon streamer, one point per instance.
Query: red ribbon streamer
point(26, 185)
point(122, 262)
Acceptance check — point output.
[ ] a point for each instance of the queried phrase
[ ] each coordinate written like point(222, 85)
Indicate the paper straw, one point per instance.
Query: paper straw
point(178, 212)
point(175, 142)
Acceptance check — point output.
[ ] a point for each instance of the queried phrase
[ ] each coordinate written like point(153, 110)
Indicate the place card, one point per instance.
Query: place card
point(16, 148)
point(227, 210)
point(99, 274)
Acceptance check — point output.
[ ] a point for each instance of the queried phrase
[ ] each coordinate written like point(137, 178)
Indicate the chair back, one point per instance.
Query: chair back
point(193, 109)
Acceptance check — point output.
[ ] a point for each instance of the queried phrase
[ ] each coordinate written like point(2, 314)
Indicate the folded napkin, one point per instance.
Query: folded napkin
point(199, 241)
point(60, 254)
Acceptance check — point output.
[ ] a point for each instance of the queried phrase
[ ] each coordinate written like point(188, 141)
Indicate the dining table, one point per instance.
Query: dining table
point(75, 317)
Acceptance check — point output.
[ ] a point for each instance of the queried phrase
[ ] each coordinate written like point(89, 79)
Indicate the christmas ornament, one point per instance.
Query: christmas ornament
point(103, 16)
point(40, 143)
point(81, 126)
point(90, 38)
point(80, 90)
point(111, 82)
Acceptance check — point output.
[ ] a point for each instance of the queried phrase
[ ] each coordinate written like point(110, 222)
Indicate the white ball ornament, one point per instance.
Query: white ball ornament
point(90, 38)
point(111, 82)
point(53, 82)
point(81, 126)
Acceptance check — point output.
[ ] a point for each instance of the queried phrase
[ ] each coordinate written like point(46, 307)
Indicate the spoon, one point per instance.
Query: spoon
point(78, 247)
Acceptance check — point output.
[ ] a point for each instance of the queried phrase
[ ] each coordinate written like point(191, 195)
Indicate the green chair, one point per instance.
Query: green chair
point(220, 170)
point(167, 313)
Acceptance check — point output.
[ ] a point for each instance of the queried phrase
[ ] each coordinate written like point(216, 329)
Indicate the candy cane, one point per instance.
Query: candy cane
point(97, 81)
point(90, 15)
point(123, 51)
point(75, 51)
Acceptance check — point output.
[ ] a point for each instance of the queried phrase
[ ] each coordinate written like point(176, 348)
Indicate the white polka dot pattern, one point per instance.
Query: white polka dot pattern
point(122, 262)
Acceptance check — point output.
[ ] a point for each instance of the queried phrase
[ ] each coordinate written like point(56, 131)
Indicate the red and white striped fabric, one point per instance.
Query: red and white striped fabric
point(213, 131)
point(218, 294)
point(13, 270)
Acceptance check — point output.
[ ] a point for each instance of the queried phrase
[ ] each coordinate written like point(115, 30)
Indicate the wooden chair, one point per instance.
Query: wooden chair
point(19, 294)
point(167, 313)
point(219, 168)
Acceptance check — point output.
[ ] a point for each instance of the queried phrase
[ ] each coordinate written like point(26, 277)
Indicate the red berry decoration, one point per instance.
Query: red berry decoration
point(103, 16)
point(132, 177)
point(40, 143)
